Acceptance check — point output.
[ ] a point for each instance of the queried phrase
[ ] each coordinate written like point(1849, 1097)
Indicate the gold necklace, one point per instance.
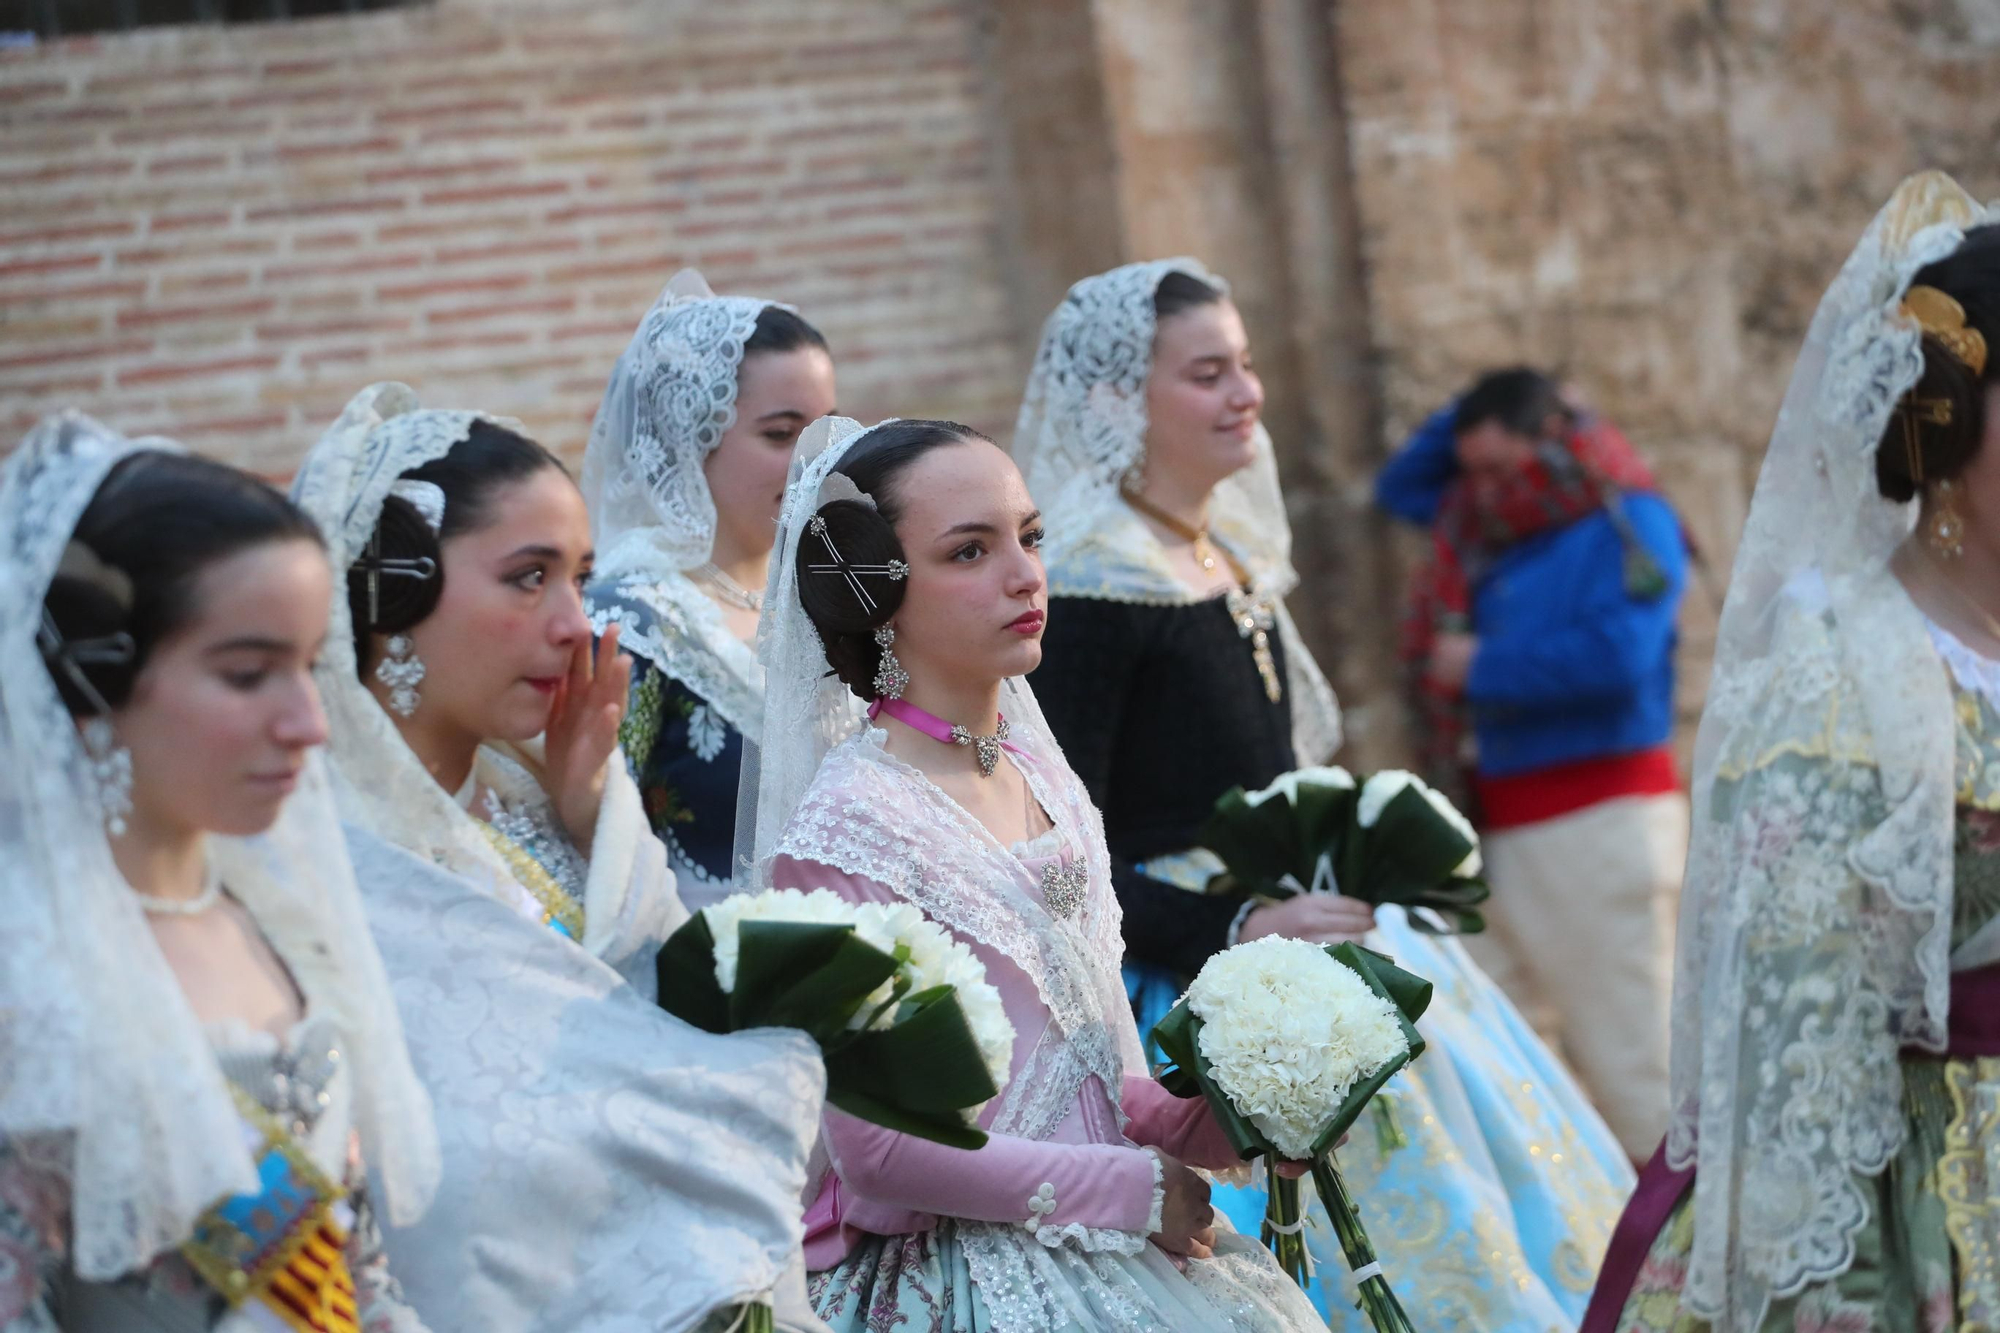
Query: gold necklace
point(1253, 615)
point(1205, 551)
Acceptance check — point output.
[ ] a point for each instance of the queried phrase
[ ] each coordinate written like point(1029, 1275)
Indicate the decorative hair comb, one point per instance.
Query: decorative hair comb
point(839, 487)
point(426, 497)
point(1940, 315)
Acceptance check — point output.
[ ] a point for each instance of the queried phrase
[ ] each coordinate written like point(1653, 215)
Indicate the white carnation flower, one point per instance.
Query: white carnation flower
point(727, 917)
point(1386, 786)
point(1472, 864)
point(1380, 789)
point(1288, 1031)
point(934, 958)
point(1289, 784)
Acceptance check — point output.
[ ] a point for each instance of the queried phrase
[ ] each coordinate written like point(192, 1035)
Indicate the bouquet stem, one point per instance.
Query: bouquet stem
point(1376, 1301)
point(1284, 1229)
point(754, 1317)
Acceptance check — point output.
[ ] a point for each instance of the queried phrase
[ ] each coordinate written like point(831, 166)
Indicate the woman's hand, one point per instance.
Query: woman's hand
point(583, 731)
point(1322, 918)
point(1187, 1222)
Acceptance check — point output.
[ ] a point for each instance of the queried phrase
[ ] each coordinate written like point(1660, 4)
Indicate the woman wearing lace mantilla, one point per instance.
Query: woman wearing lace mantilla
point(1172, 673)
point(200, 1048)
point(906, 575)
point(652, 1172)
point(684, 474)
point(1836, 1035)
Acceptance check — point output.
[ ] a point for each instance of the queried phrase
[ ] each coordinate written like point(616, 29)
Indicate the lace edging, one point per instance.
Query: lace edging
point(1157, 1215)
point(1092, 1240)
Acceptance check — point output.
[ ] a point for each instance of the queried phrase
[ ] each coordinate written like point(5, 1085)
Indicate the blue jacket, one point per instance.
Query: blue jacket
point(1570, 666)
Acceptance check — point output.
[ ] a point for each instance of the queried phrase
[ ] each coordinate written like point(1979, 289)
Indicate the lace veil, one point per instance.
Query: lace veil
point(671, 397)
point(343, 483)
point(1816, 919)
point(1082, 430)
point(102, 1059)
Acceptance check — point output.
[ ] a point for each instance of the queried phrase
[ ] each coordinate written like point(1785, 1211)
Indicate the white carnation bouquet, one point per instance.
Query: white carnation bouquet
point(1289, 1041)
point(1387, 838)
point(914, 1036)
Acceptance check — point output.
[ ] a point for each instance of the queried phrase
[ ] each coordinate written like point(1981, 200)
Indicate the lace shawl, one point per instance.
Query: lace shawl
point(1082, 431)
point(1816, 918)
point(380, 783)
point(100, 1053)
point(671, 397)
point(869, 814)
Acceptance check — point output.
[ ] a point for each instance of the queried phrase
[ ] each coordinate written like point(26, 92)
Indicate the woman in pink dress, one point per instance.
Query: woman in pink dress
point(906, 578)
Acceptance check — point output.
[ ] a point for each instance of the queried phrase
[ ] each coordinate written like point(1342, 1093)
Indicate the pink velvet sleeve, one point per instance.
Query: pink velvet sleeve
point(1097, 1185)
point(1178, 1126)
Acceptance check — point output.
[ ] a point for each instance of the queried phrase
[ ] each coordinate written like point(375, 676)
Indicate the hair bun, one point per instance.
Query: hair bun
point(406, 588)
point(846, 584)
point(1936, 428)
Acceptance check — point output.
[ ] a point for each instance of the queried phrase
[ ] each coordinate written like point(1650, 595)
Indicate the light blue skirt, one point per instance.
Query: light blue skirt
point(1495, 1215)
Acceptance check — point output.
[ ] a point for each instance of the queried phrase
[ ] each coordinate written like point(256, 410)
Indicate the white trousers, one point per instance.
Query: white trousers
point(1580, 934)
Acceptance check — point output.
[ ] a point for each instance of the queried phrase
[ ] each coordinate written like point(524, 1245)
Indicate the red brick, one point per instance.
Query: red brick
point(62, 171)
point(55, 356)
point(182, 221)
point(473, 314)
point(313, 359)
point(494, 193)
point(440, 170)
point(15, 94)
point(603, 328)
point(145, 317)
point(174, 166)
point(54, 387)
point(381, 143)
point(21, 268)
point(366, 264)
point(166, 371)
point(623, 208)
point(88, 291)
point(192, 431)
point(537, 248)
point(83, 231)
point(491, 106)
point(418, 291)
point(326, 208)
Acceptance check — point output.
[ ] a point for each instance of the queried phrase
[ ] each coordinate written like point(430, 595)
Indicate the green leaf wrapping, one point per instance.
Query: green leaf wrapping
point(1178, 1036)
point(1407, 858)
point(916, 1076)
point(686, 971)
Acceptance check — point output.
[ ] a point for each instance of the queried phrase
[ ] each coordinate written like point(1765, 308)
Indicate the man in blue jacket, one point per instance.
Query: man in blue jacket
point(1540, 644)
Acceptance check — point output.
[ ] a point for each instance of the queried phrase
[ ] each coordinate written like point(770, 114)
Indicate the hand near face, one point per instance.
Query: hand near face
point(583, 731)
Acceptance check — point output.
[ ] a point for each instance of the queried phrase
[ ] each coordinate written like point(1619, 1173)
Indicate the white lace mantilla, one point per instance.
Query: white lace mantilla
point(1816, 918)
point(867, 813)
point(1082, 433)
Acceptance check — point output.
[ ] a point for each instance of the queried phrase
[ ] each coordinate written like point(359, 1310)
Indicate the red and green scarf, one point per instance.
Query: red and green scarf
point(1478, 521)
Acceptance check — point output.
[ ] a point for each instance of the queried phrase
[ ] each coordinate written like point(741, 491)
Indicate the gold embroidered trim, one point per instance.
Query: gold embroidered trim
point(1971, 1213)
point(558, 908)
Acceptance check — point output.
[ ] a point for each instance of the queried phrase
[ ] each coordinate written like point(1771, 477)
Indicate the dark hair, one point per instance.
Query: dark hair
point(478, 467)
point(1969, 275)
point(1180, 292)
point(781, 330)
point(1520, 400)
point(865, 536)
point(157, 521)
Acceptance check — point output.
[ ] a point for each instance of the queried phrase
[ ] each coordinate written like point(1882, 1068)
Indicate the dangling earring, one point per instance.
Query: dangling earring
point(1944, 529)
point(110, 772)
point(890, 678)
point(402, 671)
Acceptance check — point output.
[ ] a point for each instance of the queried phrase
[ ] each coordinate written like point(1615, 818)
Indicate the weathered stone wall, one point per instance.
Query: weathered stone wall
point(1649, 195)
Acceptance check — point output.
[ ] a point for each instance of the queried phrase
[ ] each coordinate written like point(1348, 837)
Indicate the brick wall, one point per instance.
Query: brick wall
point(224, 232)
